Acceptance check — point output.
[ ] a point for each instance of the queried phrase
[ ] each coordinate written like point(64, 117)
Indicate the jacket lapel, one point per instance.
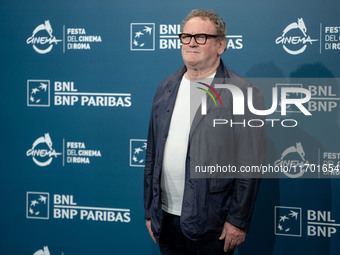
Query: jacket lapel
point(221, 74)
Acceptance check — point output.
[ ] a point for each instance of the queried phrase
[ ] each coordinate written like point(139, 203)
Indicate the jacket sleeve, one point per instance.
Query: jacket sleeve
point(251, 151)
point(148, 170)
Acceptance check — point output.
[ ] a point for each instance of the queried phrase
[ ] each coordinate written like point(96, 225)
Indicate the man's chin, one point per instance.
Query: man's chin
point(191, 63)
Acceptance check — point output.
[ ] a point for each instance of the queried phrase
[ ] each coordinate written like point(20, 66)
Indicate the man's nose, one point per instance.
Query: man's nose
point(193, 42)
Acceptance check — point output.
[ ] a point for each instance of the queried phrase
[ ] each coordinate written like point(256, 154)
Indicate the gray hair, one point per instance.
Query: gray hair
point(220, 26)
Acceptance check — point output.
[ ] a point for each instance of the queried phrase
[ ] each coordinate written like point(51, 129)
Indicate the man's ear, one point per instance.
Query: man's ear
point(222, 46)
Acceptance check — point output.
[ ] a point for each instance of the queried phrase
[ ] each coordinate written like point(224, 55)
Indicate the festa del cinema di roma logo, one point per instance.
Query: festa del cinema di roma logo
point(41, 149)
point(42, 152)
point(294, 38)
point(42, 39)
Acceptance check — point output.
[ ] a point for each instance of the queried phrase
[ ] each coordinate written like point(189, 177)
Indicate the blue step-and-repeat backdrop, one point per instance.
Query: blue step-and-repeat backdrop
point(77, 83)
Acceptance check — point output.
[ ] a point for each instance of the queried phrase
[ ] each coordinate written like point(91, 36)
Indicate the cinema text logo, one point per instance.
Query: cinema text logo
point(74, 152)
point(42, 152)
point(64, 207)
point(294, 158)
point(66, 94)
point(43, 251)
point(143, 38)
point(294, 38)
point(43, 40)
point(290, 221)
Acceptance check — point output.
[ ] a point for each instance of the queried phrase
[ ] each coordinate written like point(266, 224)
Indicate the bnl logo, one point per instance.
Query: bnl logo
point(37, 205)
point(319, 223)
point(137, 152)
point(38, 93)
point(142, 36)
point(287, 221)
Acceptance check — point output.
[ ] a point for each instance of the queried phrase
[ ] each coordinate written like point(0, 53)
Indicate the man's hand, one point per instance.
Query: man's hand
point(233, 236)
point(148, 225)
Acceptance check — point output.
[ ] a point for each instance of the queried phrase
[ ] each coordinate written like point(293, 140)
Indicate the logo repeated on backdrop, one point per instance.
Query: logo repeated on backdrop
point(287, 221)
point(42, 152)
point(331, 37)
point(42, 38)
point(66, 94)
point(299, 163)
point(43, 41)
point(332, 160)
point(296, 38)
point(296, 222)
point(290, 108)
point(37, 205)
point(38, 93)
point(64, 207)
point(74, 152)
point(137, 152)
point(322, 91)
point(143, 37)
point(43, 251)
point(294, 158)
point(324, 97)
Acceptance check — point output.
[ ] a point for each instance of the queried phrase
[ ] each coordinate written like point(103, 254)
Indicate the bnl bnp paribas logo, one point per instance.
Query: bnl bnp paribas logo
point(38, 93)
point(43, 206)
point(292, 221)
point(65, 93)
point(137, 152)
point(294, 38)
point(143, 37)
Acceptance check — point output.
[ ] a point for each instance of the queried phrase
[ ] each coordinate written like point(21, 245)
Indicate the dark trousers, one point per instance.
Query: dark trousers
point(173, 241)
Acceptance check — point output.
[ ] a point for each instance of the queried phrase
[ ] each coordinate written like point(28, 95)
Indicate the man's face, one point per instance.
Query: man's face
point(201, 56)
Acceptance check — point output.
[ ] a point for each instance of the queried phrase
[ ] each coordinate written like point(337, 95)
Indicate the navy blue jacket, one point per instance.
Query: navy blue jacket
point(207, 202)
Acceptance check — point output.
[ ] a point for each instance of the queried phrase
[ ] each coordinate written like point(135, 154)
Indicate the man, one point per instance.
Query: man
point(199, 215)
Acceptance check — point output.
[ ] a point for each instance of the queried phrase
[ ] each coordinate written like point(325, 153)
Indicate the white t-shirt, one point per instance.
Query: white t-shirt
point(175, 151)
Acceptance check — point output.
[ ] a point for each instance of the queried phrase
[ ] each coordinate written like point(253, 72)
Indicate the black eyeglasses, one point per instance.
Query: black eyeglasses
point(199, 38)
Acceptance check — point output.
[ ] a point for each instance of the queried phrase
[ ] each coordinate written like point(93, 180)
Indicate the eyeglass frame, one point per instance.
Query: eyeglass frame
point(194, 36)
